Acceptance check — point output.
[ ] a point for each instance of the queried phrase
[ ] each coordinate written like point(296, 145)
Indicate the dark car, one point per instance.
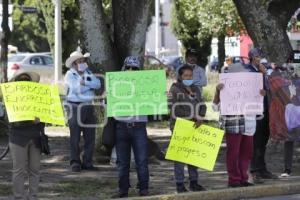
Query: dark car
point(213, 66)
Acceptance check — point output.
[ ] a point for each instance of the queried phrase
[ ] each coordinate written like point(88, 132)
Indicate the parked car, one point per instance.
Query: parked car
point(213, 66)
point(173, 61)
point(40, 63)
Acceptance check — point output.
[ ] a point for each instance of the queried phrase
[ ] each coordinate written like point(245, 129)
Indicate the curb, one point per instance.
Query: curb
point(232, 193)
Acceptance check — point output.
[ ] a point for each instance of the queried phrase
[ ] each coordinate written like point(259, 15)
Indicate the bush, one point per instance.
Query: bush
point(209, 90)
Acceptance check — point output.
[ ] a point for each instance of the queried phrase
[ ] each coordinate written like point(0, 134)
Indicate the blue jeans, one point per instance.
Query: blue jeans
point(134, 136)
point(179, 172)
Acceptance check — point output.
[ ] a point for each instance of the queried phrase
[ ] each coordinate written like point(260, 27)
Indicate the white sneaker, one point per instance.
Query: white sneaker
point(284, 175)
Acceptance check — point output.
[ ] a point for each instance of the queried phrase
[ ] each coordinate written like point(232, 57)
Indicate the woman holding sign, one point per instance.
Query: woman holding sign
point(239, 131)
point(25, 146)
point(185, 102)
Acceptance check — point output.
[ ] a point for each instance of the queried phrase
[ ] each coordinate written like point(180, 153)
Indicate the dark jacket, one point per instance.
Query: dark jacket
point(183, 105)
point(20, 133)
point(251, 68)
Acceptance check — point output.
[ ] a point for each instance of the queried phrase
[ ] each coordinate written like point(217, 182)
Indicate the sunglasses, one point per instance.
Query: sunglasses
point(132, 68)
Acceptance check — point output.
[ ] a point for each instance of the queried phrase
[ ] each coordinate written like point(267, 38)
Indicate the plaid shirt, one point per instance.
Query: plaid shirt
point(233, 124)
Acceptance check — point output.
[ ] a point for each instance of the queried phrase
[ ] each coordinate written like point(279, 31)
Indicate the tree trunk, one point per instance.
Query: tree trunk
point(4, 41)
point(221, 51)
point(97, 38)
point(131, 19)
point(130, 22)
point(267, 28)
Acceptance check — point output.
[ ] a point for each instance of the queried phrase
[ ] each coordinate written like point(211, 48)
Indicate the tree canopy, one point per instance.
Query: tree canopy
point(34, 32)
point(194, 22)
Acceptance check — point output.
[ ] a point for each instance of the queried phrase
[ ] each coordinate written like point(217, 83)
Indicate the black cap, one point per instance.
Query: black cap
point(191, 51)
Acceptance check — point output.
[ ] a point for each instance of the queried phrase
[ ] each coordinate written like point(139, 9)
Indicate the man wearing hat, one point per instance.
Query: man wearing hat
point(258, 166)
point(25, 147)
point(131, 133)
point(81, 84)
point(199, 76)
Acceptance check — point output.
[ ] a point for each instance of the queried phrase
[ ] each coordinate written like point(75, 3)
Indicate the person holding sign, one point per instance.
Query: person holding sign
point(259, 169)
point(239, 131)
point(131, 133)
point(25, 147)
point(81, 84)
point(185, 102)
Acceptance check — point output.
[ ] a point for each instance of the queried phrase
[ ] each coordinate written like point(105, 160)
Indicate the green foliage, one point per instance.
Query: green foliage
point(186, 26)
point(35, 32)
point(219, 17)
point(194, 19)
point(5, 190)
point(71, 25)
point(209, 90)
point(194, 22)
point(185, 22)
point(29, 30)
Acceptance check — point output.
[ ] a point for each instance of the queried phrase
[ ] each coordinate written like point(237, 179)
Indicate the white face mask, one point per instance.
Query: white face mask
point(82, 67)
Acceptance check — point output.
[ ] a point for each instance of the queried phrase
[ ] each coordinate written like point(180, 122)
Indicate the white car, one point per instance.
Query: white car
point(40, 63)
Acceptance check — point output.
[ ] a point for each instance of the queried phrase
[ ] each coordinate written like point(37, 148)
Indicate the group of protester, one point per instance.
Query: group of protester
point(246, 137)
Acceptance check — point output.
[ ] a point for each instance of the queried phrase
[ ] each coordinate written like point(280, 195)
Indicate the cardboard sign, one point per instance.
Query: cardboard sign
point(133, 93)
point(198, 147)
point(27, 100)
point(241, 93)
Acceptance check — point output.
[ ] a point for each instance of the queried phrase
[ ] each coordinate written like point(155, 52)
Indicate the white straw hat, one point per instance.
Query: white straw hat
point(75, 56)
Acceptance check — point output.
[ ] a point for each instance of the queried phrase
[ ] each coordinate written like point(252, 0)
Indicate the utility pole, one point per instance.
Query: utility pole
point(157, 22)
point(5, 35)
point(58, 47)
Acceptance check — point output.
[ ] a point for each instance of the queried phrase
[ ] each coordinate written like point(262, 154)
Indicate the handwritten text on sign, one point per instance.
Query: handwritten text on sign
point(241, 93)
point(198, 147)
point(27, 100)
point(136, 93)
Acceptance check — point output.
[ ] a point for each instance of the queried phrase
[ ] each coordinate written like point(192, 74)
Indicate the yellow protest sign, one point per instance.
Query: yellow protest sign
point(198, 147)
point(25, 100)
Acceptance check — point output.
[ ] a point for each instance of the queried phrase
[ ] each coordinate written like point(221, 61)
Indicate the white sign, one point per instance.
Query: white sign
point(241, 93)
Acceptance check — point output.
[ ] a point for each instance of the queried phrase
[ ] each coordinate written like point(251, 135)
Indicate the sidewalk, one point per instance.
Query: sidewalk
point(57, 182)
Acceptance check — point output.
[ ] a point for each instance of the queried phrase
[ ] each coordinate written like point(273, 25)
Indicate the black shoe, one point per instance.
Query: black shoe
point(75, 168)
point(267, 175)
point(120, 195)
point(180, 188)
point(195, 187)
point(234, 185)
point(144, 193)
point(90, 168)
point(246, 184)
point(257, 179)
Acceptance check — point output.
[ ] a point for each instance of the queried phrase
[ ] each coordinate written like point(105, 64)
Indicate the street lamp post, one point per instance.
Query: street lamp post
point(157, 3)
point(58, 47)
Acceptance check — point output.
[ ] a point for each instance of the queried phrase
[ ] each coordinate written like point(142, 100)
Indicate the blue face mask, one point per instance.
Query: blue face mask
point(187, 82)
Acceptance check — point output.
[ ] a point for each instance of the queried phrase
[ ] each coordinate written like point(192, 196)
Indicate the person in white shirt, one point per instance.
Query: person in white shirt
point(81, 84)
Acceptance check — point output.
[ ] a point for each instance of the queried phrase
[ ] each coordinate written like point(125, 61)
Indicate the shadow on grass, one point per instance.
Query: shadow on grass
point(81, 189)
